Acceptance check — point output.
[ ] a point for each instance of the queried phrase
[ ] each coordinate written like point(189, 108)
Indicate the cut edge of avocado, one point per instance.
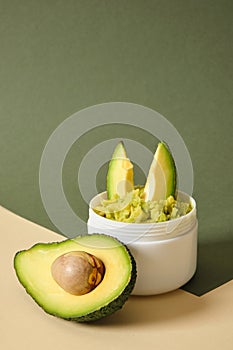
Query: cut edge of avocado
point(105, 308)
point(120, 176)
point(162, 177)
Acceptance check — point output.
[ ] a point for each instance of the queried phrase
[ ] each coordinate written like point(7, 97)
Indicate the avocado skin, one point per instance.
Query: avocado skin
point(106, 310)
point(173, 166)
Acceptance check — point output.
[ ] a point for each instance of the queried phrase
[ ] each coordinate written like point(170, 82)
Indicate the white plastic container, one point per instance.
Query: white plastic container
point(165, 252)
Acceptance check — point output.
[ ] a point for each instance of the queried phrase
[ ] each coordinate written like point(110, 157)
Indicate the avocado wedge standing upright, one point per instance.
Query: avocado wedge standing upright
point(161, 180)
point(120, 173)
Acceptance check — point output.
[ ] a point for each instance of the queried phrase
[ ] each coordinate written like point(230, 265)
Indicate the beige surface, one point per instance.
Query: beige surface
point(176, 320)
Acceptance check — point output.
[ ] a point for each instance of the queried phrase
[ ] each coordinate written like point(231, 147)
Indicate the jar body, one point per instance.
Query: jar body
point(165, 253)
point(165, 265)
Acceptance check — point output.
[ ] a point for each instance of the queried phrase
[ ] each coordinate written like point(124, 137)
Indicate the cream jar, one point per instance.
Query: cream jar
point(165, 252)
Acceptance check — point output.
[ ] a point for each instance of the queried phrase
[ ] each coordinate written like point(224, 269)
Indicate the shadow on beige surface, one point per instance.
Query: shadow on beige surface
point(153, 310)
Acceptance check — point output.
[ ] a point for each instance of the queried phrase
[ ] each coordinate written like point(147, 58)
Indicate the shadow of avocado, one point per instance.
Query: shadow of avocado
point(149, 310)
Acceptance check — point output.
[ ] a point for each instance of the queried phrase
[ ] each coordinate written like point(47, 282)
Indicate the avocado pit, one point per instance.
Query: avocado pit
point(77, 272)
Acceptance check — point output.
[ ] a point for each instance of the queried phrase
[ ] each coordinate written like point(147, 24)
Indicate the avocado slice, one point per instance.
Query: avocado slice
point(120, 173)
point(161, 180)
point(33, 269)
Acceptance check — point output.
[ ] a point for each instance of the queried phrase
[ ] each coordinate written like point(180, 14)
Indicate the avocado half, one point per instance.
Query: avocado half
point(120, 173)
point(33, 269)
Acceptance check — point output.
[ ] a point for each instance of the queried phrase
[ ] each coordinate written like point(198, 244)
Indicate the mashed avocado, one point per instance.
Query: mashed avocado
point(134, 208)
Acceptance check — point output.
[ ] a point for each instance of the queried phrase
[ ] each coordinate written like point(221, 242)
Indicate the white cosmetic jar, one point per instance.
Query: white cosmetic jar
point(165, 252)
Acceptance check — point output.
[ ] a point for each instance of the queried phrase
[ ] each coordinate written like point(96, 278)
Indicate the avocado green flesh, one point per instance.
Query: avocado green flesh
point(33, 268)
point(161, 180)
point(120, 173)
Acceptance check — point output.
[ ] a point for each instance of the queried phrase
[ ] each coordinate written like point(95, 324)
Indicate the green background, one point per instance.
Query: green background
point(175, 57)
